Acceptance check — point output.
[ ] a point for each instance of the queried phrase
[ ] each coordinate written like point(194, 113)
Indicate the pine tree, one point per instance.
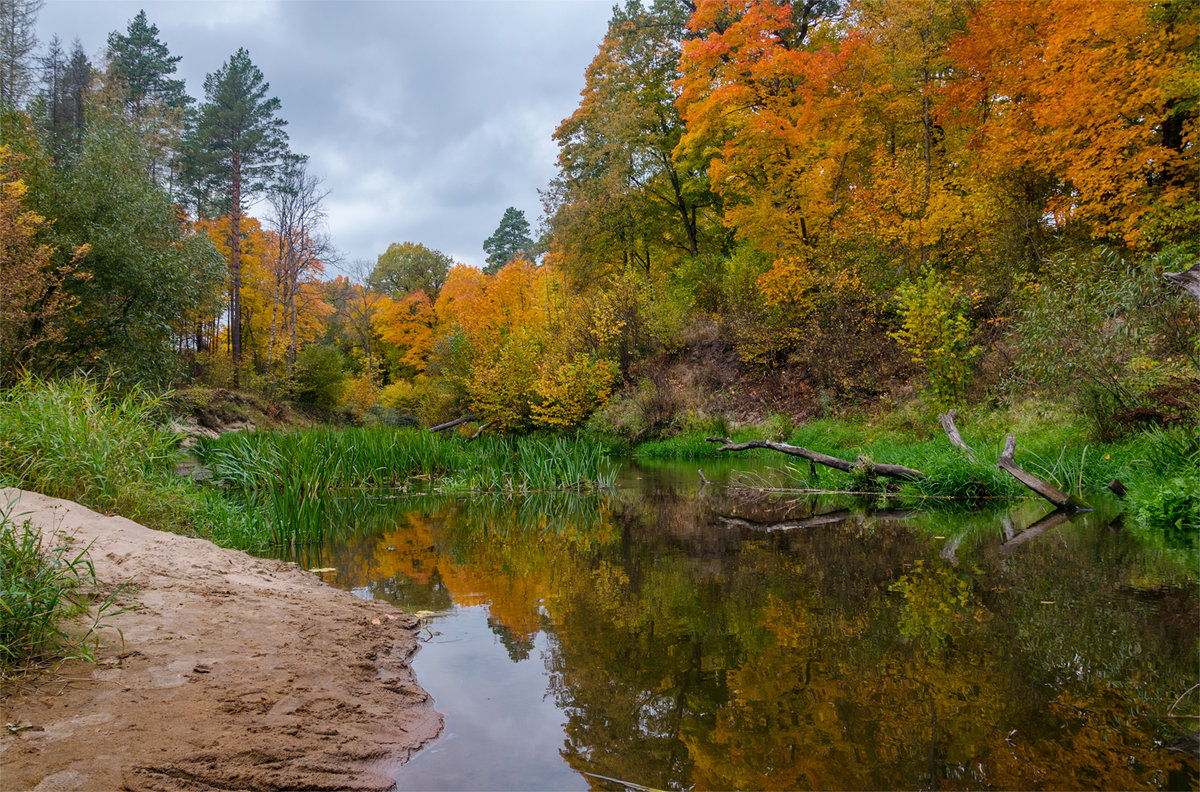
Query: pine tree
point(145, 64)
point(18, 18)
point(510, 240)
point(65, 82)
point(232, 152)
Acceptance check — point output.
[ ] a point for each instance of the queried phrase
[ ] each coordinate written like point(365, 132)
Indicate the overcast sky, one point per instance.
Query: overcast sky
point(426, 118)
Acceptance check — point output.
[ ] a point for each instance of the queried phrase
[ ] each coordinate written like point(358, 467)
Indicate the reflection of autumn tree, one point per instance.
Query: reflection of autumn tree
point(657, 645)
point(504, 553)
point(689, 653)
point(510, 554)
point(1103, 740)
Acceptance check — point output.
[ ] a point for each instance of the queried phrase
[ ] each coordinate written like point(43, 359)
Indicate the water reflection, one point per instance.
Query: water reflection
point(674, 638)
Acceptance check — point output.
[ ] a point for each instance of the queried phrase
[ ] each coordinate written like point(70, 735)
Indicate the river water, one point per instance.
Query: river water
point(672, 636)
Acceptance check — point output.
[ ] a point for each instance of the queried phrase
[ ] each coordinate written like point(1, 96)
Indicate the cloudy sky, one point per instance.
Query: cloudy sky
point(426, 118)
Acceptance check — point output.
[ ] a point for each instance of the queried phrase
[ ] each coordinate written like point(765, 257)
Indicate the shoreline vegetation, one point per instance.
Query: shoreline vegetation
point(110, 449)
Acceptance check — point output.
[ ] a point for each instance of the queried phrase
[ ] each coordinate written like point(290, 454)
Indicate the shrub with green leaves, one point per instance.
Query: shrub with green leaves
point(320, 374)
point(936, 332)
point(1107, 330)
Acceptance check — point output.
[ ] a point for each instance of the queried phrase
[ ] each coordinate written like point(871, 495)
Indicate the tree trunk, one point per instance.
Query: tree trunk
point(861, 464)
point(454, 423)
point(947, 422)
point(1188, 280)
point(274, 321)
point(235, 270)
point(1056, 496)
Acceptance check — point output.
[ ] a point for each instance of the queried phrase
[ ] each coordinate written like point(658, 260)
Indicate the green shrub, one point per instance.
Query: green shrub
point(42, 590)
point(1107, 329)
point(319, 375)
point(1170, 511)
point(936, 332)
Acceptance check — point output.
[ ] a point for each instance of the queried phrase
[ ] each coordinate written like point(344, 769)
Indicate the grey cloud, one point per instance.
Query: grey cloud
point(425, 118)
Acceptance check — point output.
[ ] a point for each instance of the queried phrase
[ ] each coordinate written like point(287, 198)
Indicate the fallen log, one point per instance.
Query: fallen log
point(862, 464)
point(451, 424)
point(1188, 280)
point(947, 422)
point(1051, 493)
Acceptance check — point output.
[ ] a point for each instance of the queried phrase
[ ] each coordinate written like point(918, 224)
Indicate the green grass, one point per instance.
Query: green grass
point(286, 478)
point(319, 460)
point(78, 439)
point(75, 439)
point(44, 589)
point(1160, 466)
point(693, 445)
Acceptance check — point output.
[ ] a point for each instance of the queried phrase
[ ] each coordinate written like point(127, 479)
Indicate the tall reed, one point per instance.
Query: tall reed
point(318, 460)
point(292, 479)
point(75, 439)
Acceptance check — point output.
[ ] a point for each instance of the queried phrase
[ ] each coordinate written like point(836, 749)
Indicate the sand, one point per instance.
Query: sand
point(228, 672)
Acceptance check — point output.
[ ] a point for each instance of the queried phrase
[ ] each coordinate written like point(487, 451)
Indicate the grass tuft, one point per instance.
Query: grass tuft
point(42, 590)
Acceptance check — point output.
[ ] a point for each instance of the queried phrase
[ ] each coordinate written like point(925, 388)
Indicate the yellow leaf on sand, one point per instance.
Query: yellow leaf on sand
point(319, 570)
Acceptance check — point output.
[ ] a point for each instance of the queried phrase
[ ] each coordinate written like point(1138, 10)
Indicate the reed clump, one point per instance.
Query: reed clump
point(44, 588)
point(296, 481)
point(74, 438)
point(320, 460)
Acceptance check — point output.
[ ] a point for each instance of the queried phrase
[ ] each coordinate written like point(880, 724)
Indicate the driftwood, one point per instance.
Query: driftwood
point(947, 422)
point(1056, 496)
point(861, 464)
point(1188, 280)
point(479, 431)
point(451, 424)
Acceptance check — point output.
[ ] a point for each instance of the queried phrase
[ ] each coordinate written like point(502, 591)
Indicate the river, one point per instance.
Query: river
point(668, 635)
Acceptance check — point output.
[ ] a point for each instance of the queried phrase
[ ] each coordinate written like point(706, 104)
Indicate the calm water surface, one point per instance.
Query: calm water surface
point(673, 637)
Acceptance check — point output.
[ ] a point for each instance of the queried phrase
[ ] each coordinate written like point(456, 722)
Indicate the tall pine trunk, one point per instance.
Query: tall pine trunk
point(235, 270)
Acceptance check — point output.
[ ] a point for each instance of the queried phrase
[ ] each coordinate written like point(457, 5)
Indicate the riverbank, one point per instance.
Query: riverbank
point(227, 672)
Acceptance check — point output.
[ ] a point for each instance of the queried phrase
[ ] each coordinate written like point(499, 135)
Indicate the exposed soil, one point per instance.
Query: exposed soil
point(230, 672)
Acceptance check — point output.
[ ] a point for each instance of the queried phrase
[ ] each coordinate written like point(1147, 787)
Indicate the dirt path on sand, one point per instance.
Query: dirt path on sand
point(234, 673)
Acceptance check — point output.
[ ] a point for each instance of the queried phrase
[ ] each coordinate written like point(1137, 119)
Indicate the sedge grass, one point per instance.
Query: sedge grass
point(44, 588)
point(319, 460)
point(76, 439)
point(289, 479)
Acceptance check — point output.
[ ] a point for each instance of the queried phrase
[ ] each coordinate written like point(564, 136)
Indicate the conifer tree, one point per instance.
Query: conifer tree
point(511, 239)
point(232, 152)
point(18, 18)
point(145, 65)
point(65, 81)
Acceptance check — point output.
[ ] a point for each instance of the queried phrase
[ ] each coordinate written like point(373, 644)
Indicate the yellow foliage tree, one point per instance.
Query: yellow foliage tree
point(32, 287)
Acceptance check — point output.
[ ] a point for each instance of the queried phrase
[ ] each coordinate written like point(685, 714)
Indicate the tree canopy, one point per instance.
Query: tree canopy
point(510, 240)
point(407, 267)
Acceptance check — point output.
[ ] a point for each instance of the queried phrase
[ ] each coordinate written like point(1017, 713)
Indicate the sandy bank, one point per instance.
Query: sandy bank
point(233, 673)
